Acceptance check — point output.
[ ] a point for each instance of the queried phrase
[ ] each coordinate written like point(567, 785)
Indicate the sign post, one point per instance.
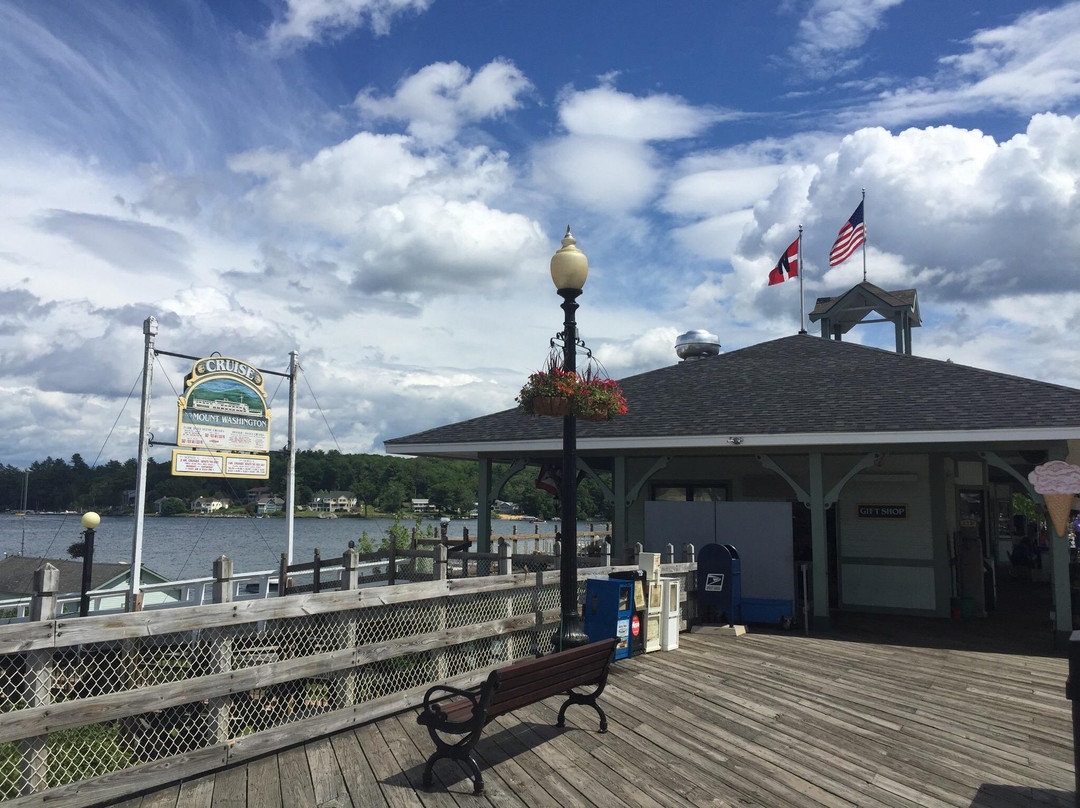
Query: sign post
point(134, 600)
point(290, 481)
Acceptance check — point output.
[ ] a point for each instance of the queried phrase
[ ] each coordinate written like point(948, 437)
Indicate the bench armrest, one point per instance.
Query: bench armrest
point(433, 715)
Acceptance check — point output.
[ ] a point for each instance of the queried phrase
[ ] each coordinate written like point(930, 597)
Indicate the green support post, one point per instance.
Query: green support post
point(820, 543)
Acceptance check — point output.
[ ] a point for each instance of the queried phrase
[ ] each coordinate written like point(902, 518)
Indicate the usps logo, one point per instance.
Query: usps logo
point(714, 582)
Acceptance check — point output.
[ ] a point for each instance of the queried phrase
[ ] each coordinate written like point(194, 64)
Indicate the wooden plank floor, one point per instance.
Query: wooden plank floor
point(880, 712)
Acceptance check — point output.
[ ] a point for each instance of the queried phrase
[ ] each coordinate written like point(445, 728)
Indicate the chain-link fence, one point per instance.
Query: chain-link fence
point(197, 686)
point(87, 697)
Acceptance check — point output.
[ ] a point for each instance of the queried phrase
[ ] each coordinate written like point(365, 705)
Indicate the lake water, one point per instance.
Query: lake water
point(185, 547)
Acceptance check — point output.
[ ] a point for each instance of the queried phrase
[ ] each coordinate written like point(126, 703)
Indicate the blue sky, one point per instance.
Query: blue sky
point(379, 184)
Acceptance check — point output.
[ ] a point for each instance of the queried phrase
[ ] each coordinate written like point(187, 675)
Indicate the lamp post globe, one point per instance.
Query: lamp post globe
point(569, 269)
point(569, 266)
point(90, 520)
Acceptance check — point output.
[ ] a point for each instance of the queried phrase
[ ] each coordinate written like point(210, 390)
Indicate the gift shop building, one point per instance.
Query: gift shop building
point(891, 474)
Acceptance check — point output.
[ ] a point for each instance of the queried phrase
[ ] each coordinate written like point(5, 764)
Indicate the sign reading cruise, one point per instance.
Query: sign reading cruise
point(223, 409)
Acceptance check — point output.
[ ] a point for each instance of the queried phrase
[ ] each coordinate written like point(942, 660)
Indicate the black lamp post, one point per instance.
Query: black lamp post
point(90, 520)
point(569, 269)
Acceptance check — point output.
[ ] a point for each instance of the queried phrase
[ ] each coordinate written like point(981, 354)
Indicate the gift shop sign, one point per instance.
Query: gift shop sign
point(223, 409)
point(884, 511)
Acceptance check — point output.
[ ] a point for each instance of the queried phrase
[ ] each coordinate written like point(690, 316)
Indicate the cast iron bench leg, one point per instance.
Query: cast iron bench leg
point(574, 698)
point(427, 769)
point(462, 755)
point(478, 779)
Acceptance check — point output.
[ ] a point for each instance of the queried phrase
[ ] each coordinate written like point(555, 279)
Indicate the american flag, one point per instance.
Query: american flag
point(789, 263)
point(851, 237)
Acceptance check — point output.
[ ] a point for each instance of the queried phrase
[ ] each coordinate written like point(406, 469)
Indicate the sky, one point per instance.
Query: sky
point(380, 184)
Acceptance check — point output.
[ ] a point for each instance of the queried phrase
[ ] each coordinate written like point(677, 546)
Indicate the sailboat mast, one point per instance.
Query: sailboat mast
point(25, 486)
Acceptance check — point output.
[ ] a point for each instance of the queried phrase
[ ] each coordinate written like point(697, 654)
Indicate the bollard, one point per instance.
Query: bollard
point(350, 573)
point(505, 557)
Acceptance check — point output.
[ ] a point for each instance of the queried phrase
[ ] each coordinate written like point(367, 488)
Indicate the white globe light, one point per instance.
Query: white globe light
point(569, 266)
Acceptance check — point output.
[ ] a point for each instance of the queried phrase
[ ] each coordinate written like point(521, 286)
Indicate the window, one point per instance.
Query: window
point(690, 492)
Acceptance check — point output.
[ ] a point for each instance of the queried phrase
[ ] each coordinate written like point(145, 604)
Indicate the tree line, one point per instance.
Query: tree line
point(380, 483)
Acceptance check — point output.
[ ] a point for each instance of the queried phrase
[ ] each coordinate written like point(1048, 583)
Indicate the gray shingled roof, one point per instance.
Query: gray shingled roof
point(17, 573)
point(798, 385)
point(899, 298)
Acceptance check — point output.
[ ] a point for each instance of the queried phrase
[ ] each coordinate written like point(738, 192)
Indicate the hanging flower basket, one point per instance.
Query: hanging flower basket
point(553, 406)
point(599, 399)
point(595, 415)
point(549, 392)
point(556, 393)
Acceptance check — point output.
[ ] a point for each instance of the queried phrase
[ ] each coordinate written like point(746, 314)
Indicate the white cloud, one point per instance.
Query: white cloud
point(970, 218)
point(314, 20)
point(123, 243)
point(438, 100)
point(720, 193)
point(715, 237)
point(646, 350)
point(429, 245)
point(601, 173)
point(605, 162)
point(336, 187)
point(604, 112)
point(720, 190)
point(403, 223)
point(833, 28)
point(1030, 66)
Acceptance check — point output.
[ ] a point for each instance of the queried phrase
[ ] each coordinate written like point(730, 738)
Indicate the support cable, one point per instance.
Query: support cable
point(319, 407)
point(123, 406)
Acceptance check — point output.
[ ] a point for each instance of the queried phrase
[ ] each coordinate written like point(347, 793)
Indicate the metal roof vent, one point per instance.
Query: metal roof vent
point(697, 344)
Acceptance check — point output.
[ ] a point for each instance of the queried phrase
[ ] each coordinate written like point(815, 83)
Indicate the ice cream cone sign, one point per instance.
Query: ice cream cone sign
point(1058, 482)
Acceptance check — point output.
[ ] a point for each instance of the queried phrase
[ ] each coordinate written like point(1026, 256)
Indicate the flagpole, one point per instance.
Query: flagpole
point(864, 235)
point(802, 269)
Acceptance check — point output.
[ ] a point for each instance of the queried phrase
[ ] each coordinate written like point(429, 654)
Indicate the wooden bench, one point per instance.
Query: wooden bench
point(464, 713)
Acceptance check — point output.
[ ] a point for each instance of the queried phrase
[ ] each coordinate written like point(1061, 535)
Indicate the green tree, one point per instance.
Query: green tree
point(173, 506)
point(389, 501)
point(1023, 504)
point(397, 534)
point(364, 544)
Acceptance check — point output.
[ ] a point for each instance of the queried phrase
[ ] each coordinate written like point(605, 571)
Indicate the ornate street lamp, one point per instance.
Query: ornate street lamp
point(90, 520)
point(569, 269)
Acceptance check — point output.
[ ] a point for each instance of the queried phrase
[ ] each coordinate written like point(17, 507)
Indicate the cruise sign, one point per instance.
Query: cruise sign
point(223, 409)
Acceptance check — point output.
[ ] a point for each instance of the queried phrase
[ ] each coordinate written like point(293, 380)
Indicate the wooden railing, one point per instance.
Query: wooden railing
point(112, 704)
point(529, 550)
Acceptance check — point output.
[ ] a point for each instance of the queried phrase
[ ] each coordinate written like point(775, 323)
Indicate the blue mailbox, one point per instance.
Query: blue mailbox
point(719, 584)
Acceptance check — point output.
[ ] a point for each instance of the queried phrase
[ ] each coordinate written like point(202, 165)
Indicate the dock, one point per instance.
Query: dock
point(881, 712)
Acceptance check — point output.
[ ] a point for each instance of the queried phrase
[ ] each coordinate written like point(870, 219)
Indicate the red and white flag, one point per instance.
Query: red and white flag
point(788, 263)
point(850, 238)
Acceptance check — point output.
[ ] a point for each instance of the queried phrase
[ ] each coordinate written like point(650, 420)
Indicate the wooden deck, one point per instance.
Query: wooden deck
point(880, 712)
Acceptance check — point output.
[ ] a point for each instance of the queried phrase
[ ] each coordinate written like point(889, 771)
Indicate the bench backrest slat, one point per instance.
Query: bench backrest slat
point(536, 679)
